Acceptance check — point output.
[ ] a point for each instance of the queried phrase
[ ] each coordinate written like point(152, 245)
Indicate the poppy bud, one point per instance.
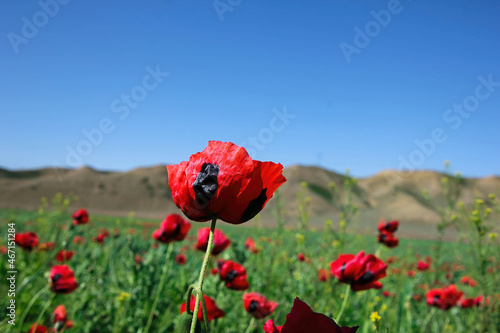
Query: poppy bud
point(184, 324)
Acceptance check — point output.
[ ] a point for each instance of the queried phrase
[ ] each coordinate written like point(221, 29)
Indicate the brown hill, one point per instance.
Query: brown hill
point(389, 194)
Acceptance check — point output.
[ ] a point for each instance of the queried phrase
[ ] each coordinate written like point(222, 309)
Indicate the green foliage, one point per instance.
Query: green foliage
point(116, 291)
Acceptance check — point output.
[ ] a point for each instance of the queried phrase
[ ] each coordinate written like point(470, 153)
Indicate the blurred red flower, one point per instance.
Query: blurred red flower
point(81, 216)
point(269, 327)
point(388, 239)
point(301, 257)
point(180, 259)
point(302, 319)
point(173, 229)
point(37, 328)
point(390, 226)
point(360, 271)
point(46, 246)
point(257, 305)
point(235, 275)
point(323, 275)
point(250, 245)
point(444, 298)
point(466, 302)
point(422, 265)
point(467, 280)
point(79, 240)
point(26, 240)
point(213, 311)
point(62, 280)
point(221, 242)
point(60, 314)
point(223, 181)
point(410, 273)
point(64, 255)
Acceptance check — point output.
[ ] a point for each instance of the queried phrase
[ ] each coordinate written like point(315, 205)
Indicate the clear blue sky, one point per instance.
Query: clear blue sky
point(339, 84)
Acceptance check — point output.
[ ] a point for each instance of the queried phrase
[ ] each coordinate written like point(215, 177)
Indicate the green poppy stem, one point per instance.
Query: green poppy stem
point(342, 308)
point(250, 326)
point(160, 287)
point(203, 271)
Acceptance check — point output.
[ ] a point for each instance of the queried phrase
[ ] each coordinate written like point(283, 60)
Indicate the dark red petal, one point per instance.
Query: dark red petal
point(302, 319)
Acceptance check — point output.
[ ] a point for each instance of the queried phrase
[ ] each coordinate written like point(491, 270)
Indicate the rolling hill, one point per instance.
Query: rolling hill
point(388, 194)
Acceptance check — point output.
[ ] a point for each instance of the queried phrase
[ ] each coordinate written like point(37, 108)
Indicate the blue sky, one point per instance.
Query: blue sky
point(365, 85)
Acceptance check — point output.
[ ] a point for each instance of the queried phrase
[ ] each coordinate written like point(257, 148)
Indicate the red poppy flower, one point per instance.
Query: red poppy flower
point(37, 328)
point(465, 303)
point(422, 265)
point(386, 293)
point(269, 327)
point(138, 259)
point(235, 275)
point(78, 240)
point(444, 298)
point(257, 305)
point(388, 239)
point(391, 259)
point(478, 301)
point(62, 280)
point(81, 216)
point(221, 242)
point(410, 273)
point(360, 271)
point(26, 240)
point(46, 246)
point(323, 275)
point(3, 249)
point(180, 259)
point(250, 245)
point(223, 181)
point(65, 255)
point(302, 319)
point(60, 314)
point(101, 237)
point(301, 257)
point(390, 226)
point(468, 281)
point(213, 311)
point(173, 229)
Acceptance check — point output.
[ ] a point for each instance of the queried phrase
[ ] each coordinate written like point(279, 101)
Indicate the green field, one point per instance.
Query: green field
point(116, 293)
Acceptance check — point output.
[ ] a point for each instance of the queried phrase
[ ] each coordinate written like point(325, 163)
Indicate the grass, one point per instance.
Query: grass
point(115, 293)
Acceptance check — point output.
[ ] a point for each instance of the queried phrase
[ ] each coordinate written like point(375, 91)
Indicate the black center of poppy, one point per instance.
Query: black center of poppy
point(253, 306)
point(205, 185)
point(56, 277)
point(382, 238)
point(231, 276)
point(255, 206)
point(342, 269)
point(177, 230)
point(366, 278)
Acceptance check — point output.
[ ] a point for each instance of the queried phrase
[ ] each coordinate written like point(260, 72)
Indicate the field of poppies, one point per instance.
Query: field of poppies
point(71, 270)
